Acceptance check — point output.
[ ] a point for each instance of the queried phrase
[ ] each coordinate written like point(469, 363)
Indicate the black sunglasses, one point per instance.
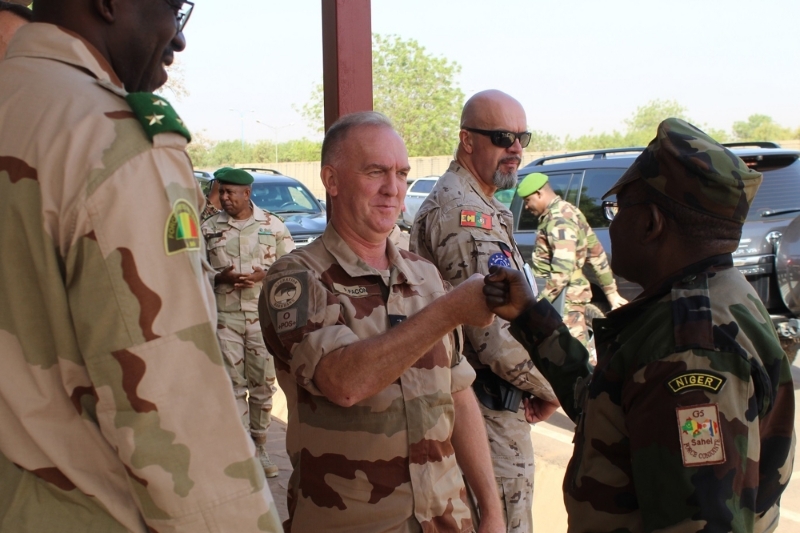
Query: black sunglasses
point(504, 139)
point(183, 12)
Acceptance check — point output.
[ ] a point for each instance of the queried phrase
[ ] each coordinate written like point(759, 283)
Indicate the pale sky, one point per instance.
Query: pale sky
point(575, 65)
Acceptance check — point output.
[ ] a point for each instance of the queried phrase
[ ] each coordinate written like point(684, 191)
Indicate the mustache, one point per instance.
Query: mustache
point(511, 158)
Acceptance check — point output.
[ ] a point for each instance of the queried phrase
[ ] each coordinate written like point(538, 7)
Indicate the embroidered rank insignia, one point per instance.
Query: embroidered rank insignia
point(476, 219)
point(701, 435)
point(499, 259)
point(697, 380)
point(156, 115)
point(182, 232)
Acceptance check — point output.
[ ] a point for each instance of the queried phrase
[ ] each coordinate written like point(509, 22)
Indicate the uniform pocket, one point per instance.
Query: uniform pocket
point(217, 254)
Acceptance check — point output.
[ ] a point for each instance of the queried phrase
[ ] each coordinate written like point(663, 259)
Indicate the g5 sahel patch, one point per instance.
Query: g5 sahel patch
point(701, 435)
point(182, 233)
point(696, 380)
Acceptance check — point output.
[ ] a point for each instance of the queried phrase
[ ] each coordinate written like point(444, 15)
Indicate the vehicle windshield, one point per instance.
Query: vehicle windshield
point(284, 198)
point(780, 188)
point(423, 186)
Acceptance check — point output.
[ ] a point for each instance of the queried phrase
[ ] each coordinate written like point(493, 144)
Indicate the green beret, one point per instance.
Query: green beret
point(236, 176)
point(221, 172)
point(691, 168)
point(531, 183)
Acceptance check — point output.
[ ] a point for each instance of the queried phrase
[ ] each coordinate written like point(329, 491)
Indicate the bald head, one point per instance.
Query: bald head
point(494, 165)
point(12, 18)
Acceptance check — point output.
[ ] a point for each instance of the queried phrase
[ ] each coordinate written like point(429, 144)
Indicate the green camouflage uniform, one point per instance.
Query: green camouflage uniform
point(687, 422)
point(463, 232)
point(244, 244)
point(116, 412)
point(386, 463)
point(564, 245)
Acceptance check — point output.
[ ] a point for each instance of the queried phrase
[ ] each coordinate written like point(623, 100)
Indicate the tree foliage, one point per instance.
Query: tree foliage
point(415, 89)
point(206, 153)
point(761, 128)
point(176, 83)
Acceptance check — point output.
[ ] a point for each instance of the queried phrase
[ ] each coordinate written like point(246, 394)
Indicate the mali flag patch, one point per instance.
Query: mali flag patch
point(476, 219)
point(182, 233)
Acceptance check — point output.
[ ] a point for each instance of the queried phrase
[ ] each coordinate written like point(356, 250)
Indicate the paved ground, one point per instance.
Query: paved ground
point(552, 442)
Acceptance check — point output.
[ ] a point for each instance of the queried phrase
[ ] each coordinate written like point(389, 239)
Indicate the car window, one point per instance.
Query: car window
point(283, 198)
point(560, 182)
point(780, 188)
point(596, 183)
point(505, 197)
point(423, 186)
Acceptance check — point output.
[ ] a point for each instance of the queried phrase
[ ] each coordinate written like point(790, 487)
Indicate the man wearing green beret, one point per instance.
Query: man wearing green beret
point(564, 244)
point(242, 242)
point(686, 423)
point(212, 198)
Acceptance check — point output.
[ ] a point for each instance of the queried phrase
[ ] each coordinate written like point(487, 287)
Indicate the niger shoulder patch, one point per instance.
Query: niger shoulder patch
point(182, 232)
point(694, 380)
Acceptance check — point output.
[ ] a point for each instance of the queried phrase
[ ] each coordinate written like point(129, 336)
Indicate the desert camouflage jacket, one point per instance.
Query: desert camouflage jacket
point(116, 412)
point(245, 244)
point(462, 231)
point(687, 422)
point(386, 463)
point(564, 244)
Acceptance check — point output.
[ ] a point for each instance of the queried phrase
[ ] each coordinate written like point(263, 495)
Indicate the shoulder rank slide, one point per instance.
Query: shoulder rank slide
point(475, 219)
point(156, 115)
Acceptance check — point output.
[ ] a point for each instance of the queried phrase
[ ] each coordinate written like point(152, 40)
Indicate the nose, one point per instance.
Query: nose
point(515, 148)
point(179, 42)
point(390, 186)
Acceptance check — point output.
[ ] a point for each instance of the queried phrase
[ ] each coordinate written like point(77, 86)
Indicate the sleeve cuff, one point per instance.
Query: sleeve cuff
point(536, 323)
point(309, 352)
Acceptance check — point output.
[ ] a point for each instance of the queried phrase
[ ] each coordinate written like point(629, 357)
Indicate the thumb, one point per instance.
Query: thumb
point(228, 269)
point(496, 273)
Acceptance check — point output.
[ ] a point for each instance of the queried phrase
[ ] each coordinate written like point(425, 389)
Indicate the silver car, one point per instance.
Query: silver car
point(415, 195)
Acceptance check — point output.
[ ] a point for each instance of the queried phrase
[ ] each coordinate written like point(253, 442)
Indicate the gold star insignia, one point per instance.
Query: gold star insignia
point(180, 121)
point(162, 103)
point(155, 119)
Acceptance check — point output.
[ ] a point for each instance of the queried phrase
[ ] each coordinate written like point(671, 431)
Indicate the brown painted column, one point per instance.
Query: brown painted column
point(346, 59)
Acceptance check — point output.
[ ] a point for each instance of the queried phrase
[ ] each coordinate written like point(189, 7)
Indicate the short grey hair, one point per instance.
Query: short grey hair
point(331, 145)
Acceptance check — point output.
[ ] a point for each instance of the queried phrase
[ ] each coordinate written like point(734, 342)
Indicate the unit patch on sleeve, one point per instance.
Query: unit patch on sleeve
point(499, 259)
point(694, 380)
point(182, 232)
point(475, 219)
point(701, 435)
point(285, 292)
point(288, 298)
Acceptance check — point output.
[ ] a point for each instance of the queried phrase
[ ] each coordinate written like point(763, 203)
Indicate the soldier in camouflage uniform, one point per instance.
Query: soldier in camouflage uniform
point(687, 422)
point(463, 229)
point(564, 244)
point(243, 241)
point(380, 405)
point(116, 411)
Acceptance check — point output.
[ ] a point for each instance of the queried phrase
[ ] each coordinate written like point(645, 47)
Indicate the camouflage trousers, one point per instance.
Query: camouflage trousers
point(250, 367)
point(575, 320)
point(511, 450)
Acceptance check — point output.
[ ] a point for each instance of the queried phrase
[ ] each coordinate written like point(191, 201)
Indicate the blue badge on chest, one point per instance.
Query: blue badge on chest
point(499, 259)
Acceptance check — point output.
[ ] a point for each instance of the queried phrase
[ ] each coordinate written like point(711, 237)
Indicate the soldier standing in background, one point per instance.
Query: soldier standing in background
point(243, 241)
point(12, 17)
point(381, 414)
point(463, 229)
point(212, 198)
point(564, 244)
point(116, 411)
point(687, 422)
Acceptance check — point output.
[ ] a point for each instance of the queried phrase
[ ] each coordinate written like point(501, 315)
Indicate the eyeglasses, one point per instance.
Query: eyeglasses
point(504, 139)
point(183, 10)
point(611, 208)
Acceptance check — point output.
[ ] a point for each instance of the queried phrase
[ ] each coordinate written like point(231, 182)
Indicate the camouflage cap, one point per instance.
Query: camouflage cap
point(236, 176)
point(688, 166)
point(531, 183)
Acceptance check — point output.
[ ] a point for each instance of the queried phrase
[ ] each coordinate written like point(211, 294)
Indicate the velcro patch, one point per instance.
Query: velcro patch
point(353, 292)
point(475, 219)
point(285, 292)
point(499, 259)
point(701, 435)
point(688, 381)
point(182, 231)
point(286, 320)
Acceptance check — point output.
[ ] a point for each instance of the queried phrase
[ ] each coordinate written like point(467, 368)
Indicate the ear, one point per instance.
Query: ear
point(106, 9)
point(330, 178)
point(466, 141)
point(656, 224)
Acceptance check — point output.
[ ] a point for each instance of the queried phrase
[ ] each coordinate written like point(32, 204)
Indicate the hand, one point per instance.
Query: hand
point(615, 300)
point(250, 280)
point(538, 410)
point(492, 524)
point(507, 292)
point(227, 277)
point(468, 304)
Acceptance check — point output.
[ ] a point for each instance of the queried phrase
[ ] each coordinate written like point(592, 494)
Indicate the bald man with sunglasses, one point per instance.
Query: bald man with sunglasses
point(463, 229)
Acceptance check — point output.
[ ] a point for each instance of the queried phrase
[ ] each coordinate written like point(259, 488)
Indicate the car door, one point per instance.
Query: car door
point(415, 196)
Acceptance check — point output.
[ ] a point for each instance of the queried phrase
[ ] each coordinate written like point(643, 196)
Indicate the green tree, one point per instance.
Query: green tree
point(643, 123)
point(544, 142)
point(760, 128)
point(415, 89)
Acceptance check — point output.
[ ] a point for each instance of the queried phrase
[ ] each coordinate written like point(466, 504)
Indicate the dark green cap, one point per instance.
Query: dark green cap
point(236, 176)
point(688, 166)
point(221, 172)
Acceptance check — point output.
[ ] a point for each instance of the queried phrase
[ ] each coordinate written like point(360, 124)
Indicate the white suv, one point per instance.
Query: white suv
point(415, 195)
